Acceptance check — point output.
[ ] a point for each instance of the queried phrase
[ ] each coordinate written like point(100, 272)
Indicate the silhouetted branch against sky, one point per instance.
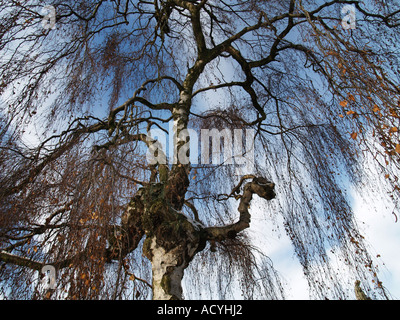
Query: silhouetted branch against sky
point(137, 134)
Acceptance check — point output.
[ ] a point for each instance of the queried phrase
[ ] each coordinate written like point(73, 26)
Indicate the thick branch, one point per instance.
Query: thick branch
point(260, 186)
point(122, 239)
point(20, 261)
point(38, 265)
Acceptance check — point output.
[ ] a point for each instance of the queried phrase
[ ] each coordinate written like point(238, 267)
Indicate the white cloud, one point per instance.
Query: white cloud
point(382, 235)
point(275, 243)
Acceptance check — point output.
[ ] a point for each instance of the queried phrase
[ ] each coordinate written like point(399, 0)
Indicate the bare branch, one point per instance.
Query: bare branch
point(260, 186)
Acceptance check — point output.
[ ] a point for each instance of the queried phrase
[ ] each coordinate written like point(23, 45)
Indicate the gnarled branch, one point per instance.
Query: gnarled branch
point(260, 186)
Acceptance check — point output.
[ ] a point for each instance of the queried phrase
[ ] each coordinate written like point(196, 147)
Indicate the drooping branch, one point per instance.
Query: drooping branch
point(122, 240)
point(71, 138)
point(259, 186)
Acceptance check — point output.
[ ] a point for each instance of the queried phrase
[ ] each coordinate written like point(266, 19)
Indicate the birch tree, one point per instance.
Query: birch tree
point(314, 84)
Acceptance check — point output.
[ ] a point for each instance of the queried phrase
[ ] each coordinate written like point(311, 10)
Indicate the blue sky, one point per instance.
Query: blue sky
point(374, 218)
point(377, 224)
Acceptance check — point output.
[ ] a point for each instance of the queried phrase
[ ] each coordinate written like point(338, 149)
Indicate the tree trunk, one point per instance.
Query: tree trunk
point(170, 249)
point(171, 242)
point(168, 267)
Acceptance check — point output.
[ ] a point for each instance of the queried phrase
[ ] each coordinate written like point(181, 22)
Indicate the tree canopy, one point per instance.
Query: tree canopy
point(307, 91)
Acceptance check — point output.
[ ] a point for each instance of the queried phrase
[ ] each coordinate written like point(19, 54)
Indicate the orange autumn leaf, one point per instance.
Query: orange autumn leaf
point(393, 113)
point(343, 103)
point(331, 53)
point(351, 97)
point(376, 108)
point(397, 148)
point(394, 129)
point(354, 135)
